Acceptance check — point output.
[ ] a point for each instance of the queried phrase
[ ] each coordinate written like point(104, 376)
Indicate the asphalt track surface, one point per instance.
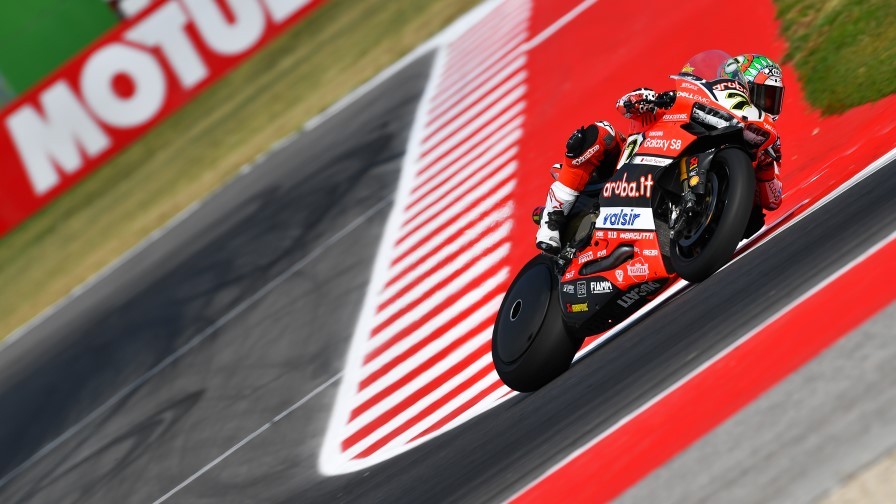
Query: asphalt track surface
point(800, 440)
point(267, 277)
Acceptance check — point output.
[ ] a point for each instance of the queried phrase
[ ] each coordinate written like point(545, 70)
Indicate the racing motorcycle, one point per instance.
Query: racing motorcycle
point(677, 205)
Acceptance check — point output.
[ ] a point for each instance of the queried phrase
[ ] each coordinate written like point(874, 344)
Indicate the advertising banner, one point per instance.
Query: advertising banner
point(121, 87)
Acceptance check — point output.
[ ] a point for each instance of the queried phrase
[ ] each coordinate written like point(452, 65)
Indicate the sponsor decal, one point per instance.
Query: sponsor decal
point(694, 180)
point(636, 236)
point(692, 164)
point(622, 218)
point(569, 275)
point(650, 252)
point(601, 287)
point(569, 288)
point(625, 218)
point(580, 289)
point(598, 234)
point(688, 85)
point(692, 96)
point(625, 189)
point(638, 269)
point(773, 190)
point(637, 293)
point(675, 117)
point(655, 133)
point(577, 308)
point(730, 84)
point(651, 160)
point(656, 143)
point(119, 88)
point(584, 157)
point(587, 256)
point(619, 275)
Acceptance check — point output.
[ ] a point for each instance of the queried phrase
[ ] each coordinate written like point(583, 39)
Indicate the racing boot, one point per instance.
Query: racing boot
point(559, 202)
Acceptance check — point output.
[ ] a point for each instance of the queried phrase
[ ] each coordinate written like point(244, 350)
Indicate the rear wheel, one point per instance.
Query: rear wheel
point(708, 240)
point(530, 345)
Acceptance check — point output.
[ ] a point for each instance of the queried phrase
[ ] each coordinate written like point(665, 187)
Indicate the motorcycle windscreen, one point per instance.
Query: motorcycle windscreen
point(714, 64)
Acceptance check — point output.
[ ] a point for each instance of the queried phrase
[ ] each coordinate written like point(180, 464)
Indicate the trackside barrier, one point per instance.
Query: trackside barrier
point(122, 86)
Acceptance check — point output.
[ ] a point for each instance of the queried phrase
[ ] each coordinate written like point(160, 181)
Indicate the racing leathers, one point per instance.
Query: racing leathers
point(593, 151)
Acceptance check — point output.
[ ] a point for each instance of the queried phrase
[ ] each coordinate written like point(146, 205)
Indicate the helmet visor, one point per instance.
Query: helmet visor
point(768, 98)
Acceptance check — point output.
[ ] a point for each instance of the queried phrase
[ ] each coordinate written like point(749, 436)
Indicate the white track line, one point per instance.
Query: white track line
point(475, 213)
point(473, 115)
point(483, 268)
point(490, 142)
point(448, 388)
point(471, 235)
point(556, 25)
point(250, 437)
point(437, 162)
point(474, 97)
point(443, 220)
point(481, 316)
point(450, 193)
point(487, 287)
point(230, 315)
point(425, 286)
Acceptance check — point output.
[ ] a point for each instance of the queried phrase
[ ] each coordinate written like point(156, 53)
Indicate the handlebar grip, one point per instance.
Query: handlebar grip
point(665, 100)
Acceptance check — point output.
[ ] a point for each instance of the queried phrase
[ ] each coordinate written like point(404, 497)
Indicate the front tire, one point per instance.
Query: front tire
point(711, 240)
point(530, 345)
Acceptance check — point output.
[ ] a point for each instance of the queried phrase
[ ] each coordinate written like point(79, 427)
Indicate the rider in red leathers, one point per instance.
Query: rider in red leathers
point(593, 151)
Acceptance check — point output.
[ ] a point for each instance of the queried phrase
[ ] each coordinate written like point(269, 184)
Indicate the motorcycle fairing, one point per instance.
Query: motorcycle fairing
point(596, 312)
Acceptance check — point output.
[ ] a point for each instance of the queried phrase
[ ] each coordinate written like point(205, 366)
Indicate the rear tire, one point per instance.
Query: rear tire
point(730, 187)
point(530, 345)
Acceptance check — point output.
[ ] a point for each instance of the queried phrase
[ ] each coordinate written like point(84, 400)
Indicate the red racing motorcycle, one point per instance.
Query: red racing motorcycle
point(680, 201)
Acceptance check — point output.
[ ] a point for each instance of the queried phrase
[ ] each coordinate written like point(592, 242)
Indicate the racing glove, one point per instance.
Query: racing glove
point(769, 193)
point(769, 190)
point(635, 104)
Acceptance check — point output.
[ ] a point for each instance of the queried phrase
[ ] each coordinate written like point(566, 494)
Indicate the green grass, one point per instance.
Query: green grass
point(341, 45)
point(843, 50)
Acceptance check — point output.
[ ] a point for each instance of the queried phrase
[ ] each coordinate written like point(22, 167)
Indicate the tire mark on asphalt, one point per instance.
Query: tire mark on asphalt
point(250, 437)
point(199, 338)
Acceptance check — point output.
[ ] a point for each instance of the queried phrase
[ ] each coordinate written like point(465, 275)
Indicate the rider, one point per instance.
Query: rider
point(594, 150)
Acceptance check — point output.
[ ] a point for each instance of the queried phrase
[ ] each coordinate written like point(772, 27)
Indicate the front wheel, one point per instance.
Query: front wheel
point(530, 345)
point(709, 240)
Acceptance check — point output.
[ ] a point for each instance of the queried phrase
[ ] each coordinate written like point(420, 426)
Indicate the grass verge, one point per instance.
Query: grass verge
point(843, 50)
point(341, 45)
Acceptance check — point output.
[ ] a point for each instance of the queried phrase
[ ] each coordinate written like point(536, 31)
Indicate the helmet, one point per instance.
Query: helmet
point(765, 81)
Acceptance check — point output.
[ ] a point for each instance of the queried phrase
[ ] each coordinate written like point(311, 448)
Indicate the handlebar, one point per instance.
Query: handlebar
point(662, 100)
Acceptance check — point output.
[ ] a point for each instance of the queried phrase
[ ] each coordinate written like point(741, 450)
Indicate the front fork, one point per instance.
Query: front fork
point(692, 177)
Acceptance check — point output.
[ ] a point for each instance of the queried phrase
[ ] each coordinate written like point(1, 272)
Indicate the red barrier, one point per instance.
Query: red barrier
point(121, 87)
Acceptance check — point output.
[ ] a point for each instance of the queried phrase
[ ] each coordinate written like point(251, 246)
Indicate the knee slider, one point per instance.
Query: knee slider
point(582, 144)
